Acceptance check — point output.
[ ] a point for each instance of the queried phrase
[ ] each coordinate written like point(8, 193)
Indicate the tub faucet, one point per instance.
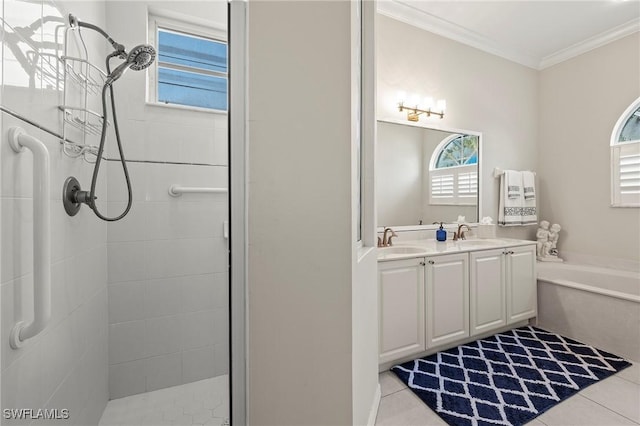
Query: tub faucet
point(386, 241)
point(459, 235)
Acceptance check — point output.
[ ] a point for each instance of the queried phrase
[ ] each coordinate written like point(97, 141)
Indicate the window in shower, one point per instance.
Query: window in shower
point(625, 158)
point(192, 66)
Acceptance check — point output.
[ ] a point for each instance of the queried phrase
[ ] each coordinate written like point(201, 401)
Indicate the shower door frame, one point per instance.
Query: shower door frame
point(237, 118)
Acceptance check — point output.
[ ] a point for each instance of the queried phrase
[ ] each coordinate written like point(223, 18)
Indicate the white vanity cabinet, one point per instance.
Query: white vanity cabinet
point(521, 280)
point(487, 308)
point(432, 301)
point(447, 298)
point(401, 308)
point(424, 302)
point(503, 287)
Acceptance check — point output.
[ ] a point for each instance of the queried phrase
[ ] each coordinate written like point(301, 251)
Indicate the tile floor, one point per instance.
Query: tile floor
point(205, 402)
point(614, 401)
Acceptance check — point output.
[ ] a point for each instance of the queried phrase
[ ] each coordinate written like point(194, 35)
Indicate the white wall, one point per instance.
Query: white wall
point(66, 365)
point(484, 93)
point(580, 101)
point(168, 279)
point(300, 277)
point(365, 389)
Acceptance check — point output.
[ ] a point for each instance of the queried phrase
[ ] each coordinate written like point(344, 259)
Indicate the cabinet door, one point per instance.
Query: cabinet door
point(447, 298)
point(521, 283)
point(487, 290)
point(401, 285)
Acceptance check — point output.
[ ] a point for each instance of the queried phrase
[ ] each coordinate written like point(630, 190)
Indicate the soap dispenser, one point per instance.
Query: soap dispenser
point(441, 234)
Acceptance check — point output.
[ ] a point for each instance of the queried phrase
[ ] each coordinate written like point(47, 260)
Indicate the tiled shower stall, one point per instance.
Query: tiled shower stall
point(139, 304)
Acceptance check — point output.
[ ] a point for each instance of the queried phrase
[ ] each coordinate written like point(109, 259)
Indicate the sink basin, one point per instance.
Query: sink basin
point(396, 252)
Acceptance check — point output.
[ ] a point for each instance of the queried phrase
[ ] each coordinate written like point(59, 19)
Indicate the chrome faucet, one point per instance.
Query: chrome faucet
point(386, 240)
point(459, 235)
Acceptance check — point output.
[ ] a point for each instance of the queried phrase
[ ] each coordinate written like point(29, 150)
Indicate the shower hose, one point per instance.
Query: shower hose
point(103, 137)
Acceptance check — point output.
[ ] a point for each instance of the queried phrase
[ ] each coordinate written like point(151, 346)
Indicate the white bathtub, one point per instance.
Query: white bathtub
point(597, 306)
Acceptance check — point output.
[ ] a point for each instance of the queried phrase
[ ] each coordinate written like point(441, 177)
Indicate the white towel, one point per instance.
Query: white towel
point(515, 211)
point(529, 185)
point(514, 183)
point(529, 212)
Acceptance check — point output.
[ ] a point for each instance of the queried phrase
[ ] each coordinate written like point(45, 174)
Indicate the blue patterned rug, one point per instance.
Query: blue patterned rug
point(506, 379)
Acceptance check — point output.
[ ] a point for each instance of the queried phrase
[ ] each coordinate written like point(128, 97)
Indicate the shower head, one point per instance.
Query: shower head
point(140, 57)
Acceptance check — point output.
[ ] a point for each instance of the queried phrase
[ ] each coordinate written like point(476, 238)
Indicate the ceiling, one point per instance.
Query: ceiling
point(537, 34)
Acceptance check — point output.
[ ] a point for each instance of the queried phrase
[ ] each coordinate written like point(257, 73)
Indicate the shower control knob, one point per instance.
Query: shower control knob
point(83, 197)
point(73, 196)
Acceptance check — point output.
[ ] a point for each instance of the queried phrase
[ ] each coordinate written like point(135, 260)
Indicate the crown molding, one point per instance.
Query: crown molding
point(591, 43)
point(426, 21)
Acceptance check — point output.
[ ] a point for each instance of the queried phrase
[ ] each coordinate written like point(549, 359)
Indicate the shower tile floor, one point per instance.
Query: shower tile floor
point(614, 401)
point(205, 402)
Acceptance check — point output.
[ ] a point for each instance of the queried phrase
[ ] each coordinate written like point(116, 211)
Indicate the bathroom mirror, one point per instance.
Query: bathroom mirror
point(426, 175)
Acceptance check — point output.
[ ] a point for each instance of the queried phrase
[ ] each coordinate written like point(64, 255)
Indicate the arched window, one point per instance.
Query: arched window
point(453, 171)
point(625, 158)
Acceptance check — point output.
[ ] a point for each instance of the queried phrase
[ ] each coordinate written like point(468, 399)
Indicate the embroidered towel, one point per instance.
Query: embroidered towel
point(515, 211)
point(529, 214)
point(508, 213)
point(514, 183)
point(529, 185)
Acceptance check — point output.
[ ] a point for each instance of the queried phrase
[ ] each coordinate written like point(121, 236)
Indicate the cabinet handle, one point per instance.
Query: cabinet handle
point(508, 252)
point(422, 263)
point(431, 262)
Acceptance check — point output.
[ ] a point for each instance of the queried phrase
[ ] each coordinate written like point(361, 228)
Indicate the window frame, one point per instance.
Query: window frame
point(212, 32)
point(618, 199)
point(456, 171)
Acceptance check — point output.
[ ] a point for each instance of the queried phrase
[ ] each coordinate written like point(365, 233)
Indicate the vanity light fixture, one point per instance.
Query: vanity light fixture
point(429, 108)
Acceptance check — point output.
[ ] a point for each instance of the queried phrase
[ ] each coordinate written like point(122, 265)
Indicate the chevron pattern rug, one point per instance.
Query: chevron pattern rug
point(506, 379)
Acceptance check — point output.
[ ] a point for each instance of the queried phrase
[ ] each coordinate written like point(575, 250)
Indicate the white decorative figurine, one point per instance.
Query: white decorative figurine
point(547, 242)
point(543, 237)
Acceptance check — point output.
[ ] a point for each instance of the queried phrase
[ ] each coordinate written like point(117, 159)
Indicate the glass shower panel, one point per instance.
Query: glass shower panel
point(139, 331)
point(168, 258)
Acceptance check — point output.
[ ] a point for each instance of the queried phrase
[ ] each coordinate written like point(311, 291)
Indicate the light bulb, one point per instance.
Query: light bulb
point(401, 97)
point(428, 103)
point(414, 100)
point(442, 105)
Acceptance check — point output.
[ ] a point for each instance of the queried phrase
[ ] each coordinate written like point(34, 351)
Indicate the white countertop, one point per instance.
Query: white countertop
point(422, 248)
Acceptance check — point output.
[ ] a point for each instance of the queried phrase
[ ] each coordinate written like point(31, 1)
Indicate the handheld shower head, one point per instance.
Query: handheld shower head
point(140, 57)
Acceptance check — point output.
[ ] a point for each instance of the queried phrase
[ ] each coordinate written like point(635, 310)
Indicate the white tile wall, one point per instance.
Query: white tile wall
point(167, 268)
point(167, 260)
point(123, 294)
point(126, 341)
point(66, 366)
